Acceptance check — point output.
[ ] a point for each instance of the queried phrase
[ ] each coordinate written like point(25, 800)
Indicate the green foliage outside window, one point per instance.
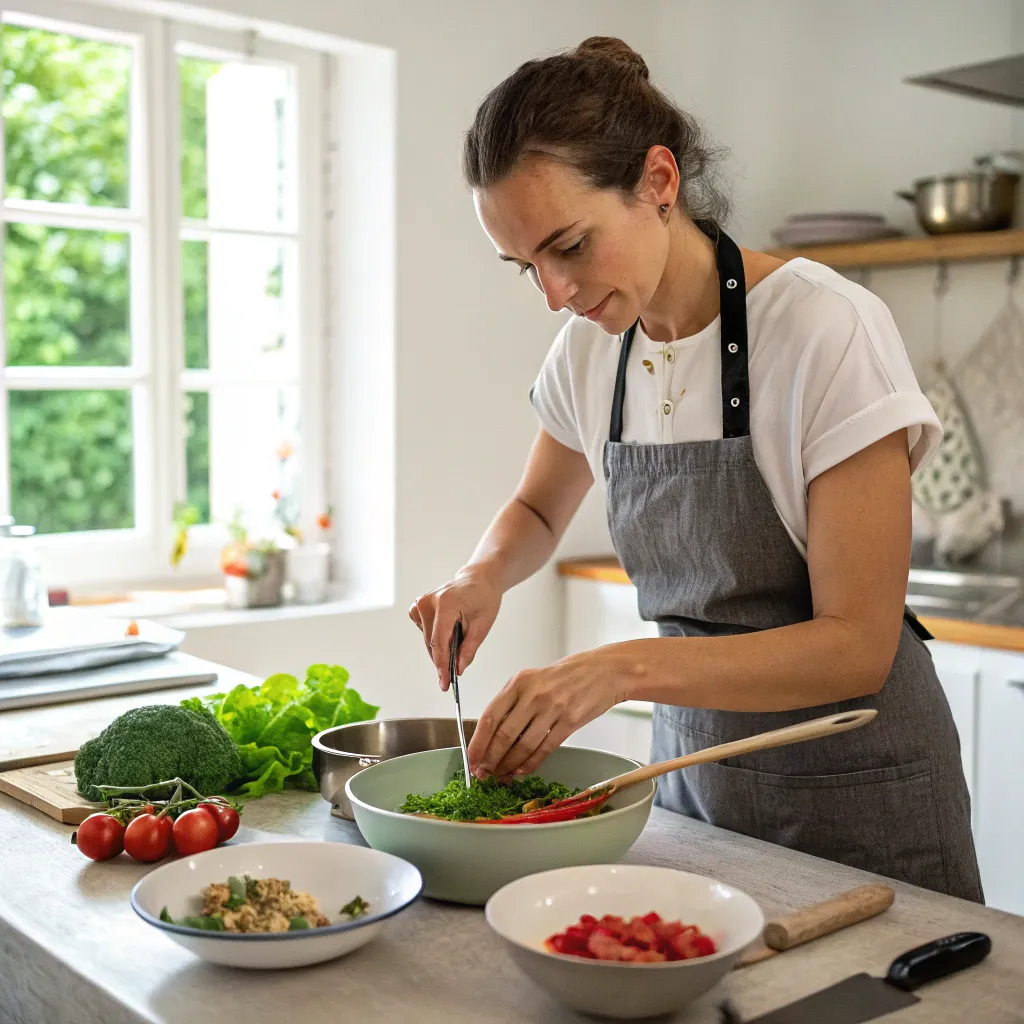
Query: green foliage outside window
point(67, 291)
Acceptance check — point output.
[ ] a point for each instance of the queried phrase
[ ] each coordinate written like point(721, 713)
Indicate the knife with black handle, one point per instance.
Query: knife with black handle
point(863, 997)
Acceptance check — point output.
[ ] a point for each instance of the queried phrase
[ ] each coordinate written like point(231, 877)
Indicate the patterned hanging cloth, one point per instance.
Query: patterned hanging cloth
point(951, 491)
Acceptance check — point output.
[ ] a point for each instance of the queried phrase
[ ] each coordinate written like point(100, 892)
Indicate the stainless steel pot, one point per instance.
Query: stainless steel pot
point(340, 752)
point(979, 200)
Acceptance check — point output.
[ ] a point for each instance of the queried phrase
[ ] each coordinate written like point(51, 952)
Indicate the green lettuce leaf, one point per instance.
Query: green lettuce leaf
point(322, 708)
point(244, 714)
point(278, 689)
point(273, 724)
point(330, 680)
point(292, 728)
point(352, 708)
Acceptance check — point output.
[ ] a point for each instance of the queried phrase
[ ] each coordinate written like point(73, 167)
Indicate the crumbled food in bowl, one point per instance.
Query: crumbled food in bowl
point(245, 904)
point(639, 940)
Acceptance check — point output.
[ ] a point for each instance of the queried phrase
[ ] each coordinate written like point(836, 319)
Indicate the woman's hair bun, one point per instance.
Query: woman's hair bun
point(611, 48)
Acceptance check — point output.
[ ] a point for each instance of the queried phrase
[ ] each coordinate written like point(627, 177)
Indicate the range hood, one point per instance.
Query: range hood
point(998, 81)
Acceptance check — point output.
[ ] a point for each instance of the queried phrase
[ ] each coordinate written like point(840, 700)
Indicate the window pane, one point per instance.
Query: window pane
point(66, 117)
point(66, 297)
point(240, 300)
point(195, 273)
point(197, 452)
point(71, 460)
point(254, 449)
point(236, 163)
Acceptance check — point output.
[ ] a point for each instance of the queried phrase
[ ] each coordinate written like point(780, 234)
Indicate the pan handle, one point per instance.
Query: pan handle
point(909, 196)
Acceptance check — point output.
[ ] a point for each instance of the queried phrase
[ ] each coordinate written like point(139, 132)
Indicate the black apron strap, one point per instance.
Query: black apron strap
point(732, 292)
point(735, 383)
point(619, 395)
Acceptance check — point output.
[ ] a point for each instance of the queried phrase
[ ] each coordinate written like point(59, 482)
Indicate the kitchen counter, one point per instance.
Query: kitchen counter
point(71, 948)
point(1004, 632)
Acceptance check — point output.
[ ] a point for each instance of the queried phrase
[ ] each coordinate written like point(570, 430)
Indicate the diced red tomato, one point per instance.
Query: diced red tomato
point(647, 939)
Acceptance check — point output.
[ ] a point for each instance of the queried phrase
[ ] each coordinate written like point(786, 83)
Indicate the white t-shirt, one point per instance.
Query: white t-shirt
point(828, 376)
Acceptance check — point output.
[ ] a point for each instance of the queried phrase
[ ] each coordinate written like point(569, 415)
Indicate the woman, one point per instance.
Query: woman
point(755, 425)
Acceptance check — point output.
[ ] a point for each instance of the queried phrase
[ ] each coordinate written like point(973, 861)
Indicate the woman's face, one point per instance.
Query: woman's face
point(590, 251)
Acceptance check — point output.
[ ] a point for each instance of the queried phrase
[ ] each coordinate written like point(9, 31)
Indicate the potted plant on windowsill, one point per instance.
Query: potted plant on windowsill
point(253, 569)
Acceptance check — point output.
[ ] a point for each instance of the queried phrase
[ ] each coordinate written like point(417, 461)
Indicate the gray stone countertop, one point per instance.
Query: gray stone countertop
point(72, 949)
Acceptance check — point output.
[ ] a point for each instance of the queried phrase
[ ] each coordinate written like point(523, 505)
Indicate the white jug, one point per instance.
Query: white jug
point(23, 595)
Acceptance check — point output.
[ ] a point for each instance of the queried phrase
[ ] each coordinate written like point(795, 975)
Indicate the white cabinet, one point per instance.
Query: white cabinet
point(999, 811)
point(623, 731)
point(599, 613)
point(984, 687)
point(959, 670)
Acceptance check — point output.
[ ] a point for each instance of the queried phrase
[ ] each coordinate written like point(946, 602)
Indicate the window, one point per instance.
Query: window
point(162, 322)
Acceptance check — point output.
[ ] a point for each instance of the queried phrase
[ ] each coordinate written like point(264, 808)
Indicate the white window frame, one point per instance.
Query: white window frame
point(140, 556)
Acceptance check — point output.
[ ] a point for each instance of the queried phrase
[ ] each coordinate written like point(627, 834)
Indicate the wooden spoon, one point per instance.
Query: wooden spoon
point(817, 728)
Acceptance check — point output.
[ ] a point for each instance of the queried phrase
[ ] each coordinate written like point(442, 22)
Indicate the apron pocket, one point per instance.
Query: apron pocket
point(882, 820)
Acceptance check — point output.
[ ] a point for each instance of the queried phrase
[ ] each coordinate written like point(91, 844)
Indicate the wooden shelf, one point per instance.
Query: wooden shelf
point(977, 245)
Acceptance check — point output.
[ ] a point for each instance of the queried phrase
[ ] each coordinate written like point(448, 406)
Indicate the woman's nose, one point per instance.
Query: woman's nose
point(558, 290)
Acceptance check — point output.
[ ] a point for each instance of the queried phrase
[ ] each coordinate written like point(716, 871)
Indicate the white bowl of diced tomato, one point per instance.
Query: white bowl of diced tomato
point(624, 940)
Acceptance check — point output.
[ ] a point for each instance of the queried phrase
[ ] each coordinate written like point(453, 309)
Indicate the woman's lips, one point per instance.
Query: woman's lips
point(593, 314)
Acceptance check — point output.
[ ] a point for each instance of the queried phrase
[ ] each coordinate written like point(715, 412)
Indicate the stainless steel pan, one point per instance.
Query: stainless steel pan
point(978, 200)
point(340, 752)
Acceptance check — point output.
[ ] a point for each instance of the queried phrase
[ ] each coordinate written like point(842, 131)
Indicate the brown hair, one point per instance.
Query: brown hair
point(595, 109)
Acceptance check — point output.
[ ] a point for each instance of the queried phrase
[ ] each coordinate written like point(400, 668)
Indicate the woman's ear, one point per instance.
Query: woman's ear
point(660, 183)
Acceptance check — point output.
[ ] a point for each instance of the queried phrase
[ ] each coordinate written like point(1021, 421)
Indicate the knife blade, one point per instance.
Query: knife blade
point(453, 679)
point(864, 997)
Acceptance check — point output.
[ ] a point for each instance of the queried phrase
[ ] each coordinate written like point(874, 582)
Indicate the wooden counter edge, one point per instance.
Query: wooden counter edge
point(607, 569)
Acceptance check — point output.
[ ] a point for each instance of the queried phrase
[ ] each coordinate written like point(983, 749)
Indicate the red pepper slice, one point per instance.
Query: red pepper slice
point(549, 814)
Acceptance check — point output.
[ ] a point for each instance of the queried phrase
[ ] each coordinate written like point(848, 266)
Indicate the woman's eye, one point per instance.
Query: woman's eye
point(525, 269)
point(574, 248)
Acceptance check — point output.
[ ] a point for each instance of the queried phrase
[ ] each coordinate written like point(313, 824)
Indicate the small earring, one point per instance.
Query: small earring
point(663, 209)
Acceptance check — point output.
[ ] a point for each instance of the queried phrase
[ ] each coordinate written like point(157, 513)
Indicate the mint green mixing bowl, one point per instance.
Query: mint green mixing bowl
point(465, 862)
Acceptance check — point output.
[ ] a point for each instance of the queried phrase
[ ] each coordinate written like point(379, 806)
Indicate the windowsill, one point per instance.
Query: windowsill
point(207, 608)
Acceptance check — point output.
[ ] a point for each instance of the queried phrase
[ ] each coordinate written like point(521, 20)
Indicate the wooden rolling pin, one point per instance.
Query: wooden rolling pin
point(822, 919)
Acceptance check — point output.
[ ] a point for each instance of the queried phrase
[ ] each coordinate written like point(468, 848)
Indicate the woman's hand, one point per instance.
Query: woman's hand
point(472, 598)
point(539, 709)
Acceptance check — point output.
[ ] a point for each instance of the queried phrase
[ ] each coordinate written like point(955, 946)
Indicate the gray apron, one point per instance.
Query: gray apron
point(698, 534)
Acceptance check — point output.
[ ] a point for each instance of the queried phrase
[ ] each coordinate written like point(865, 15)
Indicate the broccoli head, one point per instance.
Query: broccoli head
point(156, 743)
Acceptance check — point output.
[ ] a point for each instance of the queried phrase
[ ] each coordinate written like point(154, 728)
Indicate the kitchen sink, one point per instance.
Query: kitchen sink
point(954, 594)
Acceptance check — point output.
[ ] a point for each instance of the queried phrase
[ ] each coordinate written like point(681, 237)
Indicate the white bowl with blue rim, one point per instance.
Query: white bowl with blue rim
point(333, 873)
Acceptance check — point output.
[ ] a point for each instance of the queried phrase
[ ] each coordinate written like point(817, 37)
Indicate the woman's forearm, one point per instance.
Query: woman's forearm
point(803, 665)
point(517, 543)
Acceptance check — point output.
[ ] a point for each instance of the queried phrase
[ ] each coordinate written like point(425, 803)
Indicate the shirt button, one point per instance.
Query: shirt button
point(733, 347)
point(666, 408)
point(670, 355)
point(731, 283)
point(735, 403)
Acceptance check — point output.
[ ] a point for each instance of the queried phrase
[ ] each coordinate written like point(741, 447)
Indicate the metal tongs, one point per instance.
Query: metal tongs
point(453, 679)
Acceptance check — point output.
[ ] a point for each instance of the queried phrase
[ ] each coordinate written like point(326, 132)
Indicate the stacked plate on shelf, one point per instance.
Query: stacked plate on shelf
point(800, 229)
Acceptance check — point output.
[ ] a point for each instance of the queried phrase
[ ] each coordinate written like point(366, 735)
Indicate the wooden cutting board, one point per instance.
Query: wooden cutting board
point(49, 788)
